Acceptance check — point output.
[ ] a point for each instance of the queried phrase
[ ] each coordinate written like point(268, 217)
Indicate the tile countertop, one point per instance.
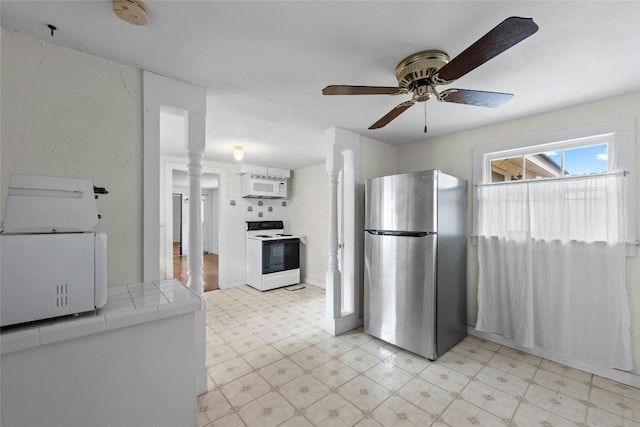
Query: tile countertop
point(126, 306)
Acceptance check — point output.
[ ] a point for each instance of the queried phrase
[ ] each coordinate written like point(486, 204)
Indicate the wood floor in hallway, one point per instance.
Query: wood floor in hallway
point(209, 267)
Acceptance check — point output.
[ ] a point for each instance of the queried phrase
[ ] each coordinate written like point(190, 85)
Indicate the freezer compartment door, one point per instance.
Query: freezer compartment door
point(399, 291)
point(405, 202)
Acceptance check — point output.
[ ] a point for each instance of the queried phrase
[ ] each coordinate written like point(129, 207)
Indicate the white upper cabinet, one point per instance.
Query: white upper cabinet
point(252, 169)
point(279, 172)
point(264, 170)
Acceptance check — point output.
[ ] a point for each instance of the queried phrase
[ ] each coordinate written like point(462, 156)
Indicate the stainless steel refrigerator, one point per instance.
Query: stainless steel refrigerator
point(415, 261)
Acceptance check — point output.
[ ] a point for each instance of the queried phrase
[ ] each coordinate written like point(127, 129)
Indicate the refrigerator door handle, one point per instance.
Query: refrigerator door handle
point(401, 233)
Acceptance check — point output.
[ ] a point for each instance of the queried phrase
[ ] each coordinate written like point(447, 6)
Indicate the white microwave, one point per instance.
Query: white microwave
point(264, 186)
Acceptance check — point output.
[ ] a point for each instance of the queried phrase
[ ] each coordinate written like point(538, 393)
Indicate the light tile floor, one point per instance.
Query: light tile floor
point(271, 364)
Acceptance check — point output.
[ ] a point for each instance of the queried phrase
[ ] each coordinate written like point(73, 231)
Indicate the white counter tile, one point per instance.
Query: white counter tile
point(19, 340)
point(126, 306)
point(119, 318)
point(121, 293)
point(139, 290)
point(71, 328)
point(145, 314)
point(123, 303)
point(170, 310)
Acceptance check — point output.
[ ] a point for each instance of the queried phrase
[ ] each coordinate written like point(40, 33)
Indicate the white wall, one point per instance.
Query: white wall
point(214, 206)
point(177, 210)
point(376, 159)
point(66, 113)
point(181, 223)
point(453, 154)
point(309, 216)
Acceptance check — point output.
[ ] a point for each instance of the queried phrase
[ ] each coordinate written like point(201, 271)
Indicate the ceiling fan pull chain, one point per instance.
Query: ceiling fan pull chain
point(425, 117)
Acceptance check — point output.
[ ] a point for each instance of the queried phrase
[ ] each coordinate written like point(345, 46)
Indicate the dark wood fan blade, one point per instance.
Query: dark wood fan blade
point(475, 97)
point(508, 33)
point(399, 109)
point(362, 90)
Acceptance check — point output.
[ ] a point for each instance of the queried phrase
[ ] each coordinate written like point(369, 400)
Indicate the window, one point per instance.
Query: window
point(597, 149)
point(554, 218)
point(582, 156)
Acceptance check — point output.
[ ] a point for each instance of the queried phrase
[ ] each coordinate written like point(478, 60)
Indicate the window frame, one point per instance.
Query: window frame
point(583, 142)
point(621, 157)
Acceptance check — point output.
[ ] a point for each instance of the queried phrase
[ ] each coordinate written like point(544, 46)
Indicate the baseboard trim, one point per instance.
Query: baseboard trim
point(231, 285)
point(313, 282)
point(302, 281)
point(623, 377)
point(342, 324)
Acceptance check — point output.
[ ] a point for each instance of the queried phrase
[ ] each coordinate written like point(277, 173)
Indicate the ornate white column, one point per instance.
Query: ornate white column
point(195, 151)
point(195, 128)
point(333, 276)
point(194, 254)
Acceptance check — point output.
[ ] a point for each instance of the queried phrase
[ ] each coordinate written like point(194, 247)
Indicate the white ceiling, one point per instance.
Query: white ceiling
point(265, 63)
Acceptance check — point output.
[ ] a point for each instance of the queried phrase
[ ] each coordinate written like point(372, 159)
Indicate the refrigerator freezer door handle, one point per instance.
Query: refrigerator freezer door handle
point(401, 233)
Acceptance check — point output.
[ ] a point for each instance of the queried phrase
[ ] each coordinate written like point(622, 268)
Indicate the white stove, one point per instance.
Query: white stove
point(273, 256)
point(275, 236)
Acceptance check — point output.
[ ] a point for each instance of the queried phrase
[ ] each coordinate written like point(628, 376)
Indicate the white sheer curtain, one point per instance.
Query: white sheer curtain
point(552, 267)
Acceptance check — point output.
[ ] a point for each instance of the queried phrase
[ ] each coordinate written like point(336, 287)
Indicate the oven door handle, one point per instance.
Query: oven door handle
point(281, 240)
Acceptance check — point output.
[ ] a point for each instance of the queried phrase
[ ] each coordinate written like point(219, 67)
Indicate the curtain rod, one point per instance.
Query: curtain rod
point(531, 181)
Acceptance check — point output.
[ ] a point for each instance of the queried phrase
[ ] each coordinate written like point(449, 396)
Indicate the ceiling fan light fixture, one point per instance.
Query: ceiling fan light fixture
point(135, 12)
point(424, 93)
point(238, 152)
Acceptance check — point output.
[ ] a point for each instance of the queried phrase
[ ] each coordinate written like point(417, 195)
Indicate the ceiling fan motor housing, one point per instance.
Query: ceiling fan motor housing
point(415, 71)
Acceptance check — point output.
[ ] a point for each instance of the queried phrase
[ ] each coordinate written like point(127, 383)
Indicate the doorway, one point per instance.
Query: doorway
point(180, 227)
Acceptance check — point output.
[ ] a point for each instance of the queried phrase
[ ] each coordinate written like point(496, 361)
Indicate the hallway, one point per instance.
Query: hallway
point(209, 267)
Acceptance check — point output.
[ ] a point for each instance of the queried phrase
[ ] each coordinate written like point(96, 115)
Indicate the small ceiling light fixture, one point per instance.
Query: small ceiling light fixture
point(133, 11)
point(238, 152)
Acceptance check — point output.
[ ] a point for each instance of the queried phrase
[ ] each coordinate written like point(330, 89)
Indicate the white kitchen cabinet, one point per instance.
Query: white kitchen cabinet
point(279, 172)
point(252, 169)
point(264, 170)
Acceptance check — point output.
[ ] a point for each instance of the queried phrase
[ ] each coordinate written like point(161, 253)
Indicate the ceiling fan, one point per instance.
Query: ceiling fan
point(421, 72)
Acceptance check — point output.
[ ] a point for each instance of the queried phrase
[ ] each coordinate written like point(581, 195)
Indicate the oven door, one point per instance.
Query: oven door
point(280, 255)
